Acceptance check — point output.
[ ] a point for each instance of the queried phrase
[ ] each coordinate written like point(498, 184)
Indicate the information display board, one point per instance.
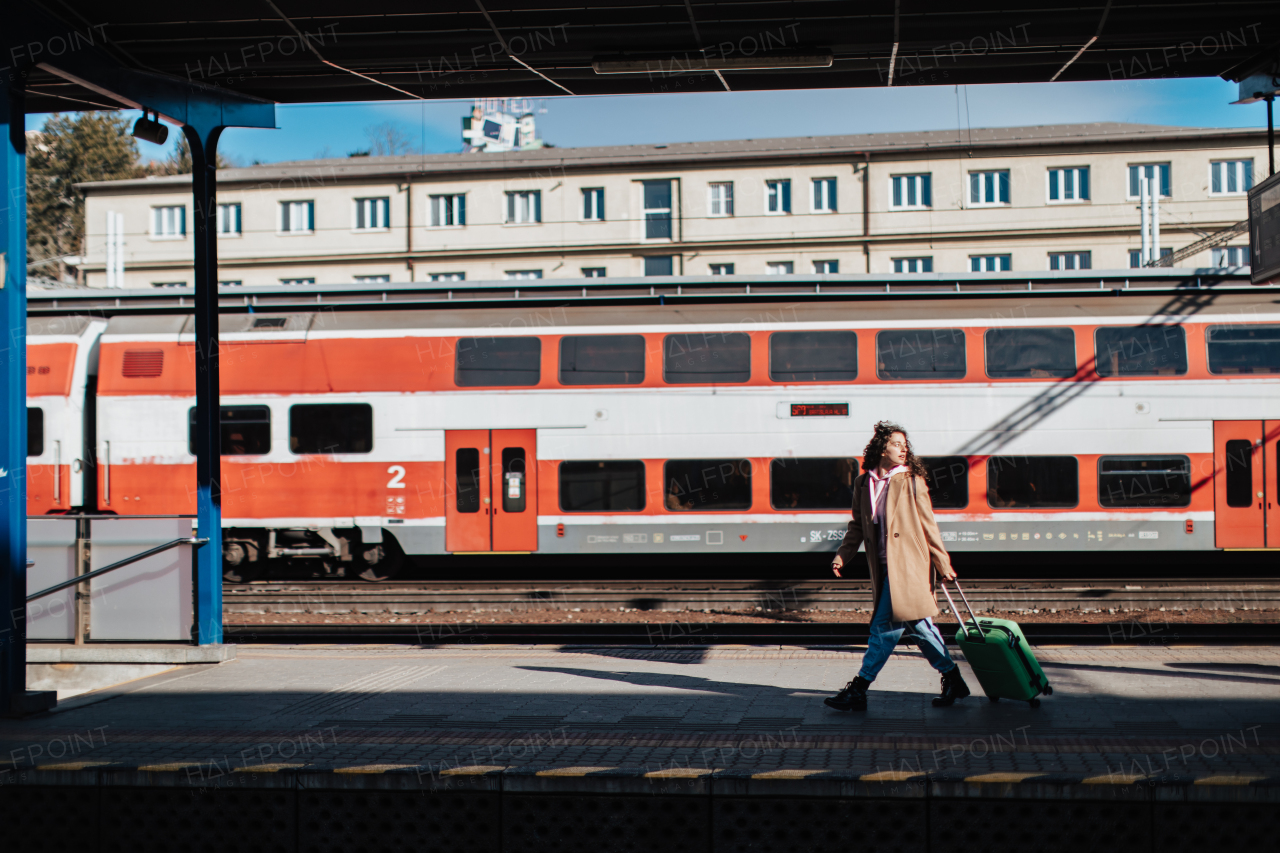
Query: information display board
point(1264, 230)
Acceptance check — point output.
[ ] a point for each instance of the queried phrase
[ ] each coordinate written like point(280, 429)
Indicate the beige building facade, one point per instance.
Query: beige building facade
point(1016, 199)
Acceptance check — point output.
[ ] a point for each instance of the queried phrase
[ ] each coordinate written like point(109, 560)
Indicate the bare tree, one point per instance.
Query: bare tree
point(389, 139)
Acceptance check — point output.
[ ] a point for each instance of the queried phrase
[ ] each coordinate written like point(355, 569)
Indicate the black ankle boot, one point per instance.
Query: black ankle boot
point(852, 698)
point(953, 688)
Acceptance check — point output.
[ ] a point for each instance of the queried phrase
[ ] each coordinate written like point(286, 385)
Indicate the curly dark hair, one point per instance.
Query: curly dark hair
point(875, 449)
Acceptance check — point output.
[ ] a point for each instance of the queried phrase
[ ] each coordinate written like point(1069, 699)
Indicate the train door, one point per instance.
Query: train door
point(491, 481)
point(1239, 462)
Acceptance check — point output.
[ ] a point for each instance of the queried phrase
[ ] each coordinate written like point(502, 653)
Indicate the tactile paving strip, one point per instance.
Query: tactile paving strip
point(49, 819)
point(597, 824)
point(195, 820)
point(767, 825)
point(1043, 826)
point(387, 821)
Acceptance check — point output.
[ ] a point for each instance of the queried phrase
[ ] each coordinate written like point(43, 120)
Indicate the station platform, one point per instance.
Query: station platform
point(625, 748)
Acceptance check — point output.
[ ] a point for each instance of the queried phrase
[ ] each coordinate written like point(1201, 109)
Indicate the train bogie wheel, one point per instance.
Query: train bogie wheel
point(382, 562)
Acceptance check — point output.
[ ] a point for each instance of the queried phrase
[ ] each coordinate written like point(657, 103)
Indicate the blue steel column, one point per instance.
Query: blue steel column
point(13, 402)
point(208, 426)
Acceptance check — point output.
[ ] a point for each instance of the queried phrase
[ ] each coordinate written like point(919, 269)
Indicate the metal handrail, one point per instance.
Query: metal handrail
point(117, 565)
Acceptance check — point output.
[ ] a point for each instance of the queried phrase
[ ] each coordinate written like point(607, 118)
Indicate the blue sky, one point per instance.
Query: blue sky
point(307, 131)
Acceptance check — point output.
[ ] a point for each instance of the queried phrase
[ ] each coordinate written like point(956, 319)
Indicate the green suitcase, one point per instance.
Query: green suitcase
point(1000, 657)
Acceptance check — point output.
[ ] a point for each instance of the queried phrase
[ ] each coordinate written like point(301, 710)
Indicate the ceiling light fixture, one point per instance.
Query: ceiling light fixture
point(150, 129)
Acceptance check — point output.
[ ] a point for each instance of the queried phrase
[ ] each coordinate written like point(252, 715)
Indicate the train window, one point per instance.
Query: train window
point(706, 357)
point(702, 484)
point(331, 428)
point(1239, 472)
point(812, 483)
point(601, 360)
point(1032, 481)
point(246, 430)
point(513, 483)
point(920, 354)
point(1141, 351)
point(813, 356)
point(35, 431)
point(467, 471)
point(1030, 353)
point(948, 481)
point(1244, 349)
point(483, 362)
point(1147, 481)
point(616, 486)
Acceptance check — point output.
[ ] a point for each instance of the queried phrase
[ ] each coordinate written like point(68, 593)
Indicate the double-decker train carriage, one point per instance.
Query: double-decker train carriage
point(1080, 423)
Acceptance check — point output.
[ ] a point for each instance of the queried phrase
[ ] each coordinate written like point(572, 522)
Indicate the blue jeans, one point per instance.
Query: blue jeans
point(885, 634)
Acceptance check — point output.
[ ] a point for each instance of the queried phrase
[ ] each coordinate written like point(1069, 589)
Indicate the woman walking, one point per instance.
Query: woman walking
point(893, 515)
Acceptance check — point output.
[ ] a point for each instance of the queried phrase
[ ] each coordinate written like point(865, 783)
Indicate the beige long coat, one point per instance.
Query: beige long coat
point(914, 544)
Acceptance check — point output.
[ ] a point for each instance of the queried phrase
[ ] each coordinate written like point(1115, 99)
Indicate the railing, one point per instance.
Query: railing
point(116, 565)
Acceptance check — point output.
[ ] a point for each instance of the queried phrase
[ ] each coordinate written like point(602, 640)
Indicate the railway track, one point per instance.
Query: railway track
point(428, 597)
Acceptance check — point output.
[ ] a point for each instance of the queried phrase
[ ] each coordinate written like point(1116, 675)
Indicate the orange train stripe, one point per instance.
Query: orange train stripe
point(49, 369)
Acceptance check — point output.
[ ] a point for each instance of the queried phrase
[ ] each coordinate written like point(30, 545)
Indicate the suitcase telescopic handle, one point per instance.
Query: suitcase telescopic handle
point(973, 616)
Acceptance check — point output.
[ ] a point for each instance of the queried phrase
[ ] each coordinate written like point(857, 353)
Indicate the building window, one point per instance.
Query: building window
point(230, 283)
point(777, 197)
point(948, 478)
point(1244, 349)
point(987, 189)
point(659, 265)
point(911, 191)
point(450, 211)
point(498, 361)
point(229, 220)
point(706, 484)
point(448, 276)
point(601, 359)
point(657, 211)
point(593, 204)
point(720, 199)
point(522, 275)
point(1231, 256)
point(826, 267)
point(813, 356)
point(168, 284)
point(990, 263)
point(1135, 257)
point(373, 214)
point(1068, 185)
point(812, 483)
point(1030, 353)
point(35, 431)
point(780, 268)
point(593, 272)
point(1144, 481)
point(824, 195)
point(920, 354)
point(696, 357)
point(1018, 482)
point(373, 279)
point(524, 208)
point(292, 281)
point(331, 428)
point(297, 217)
point(246, 430)
point(1157, 171)
point(721, 269)
point(169, 222)
point(1230, 177)
point(913, 264)
point(614, 486)
point(1140, 351)
point(1070, 261)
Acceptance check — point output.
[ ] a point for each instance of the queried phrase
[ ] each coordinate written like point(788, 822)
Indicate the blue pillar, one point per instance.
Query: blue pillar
point(204, 147)
point(13, 401)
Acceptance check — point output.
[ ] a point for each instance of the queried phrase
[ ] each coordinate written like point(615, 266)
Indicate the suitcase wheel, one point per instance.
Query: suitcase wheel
point(1035, 703)
point(1048, 691)
point(993, 698)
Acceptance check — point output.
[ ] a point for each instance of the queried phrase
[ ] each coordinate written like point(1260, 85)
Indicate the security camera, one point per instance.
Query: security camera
point(150, 129)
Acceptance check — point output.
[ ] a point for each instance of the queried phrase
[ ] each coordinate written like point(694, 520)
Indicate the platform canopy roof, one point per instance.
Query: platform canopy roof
point(295, 51)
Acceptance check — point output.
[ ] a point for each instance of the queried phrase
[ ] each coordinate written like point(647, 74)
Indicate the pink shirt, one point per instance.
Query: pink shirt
point(879, 487)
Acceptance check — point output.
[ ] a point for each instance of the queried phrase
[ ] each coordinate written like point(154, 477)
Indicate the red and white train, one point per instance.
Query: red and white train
point(1089, 423)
